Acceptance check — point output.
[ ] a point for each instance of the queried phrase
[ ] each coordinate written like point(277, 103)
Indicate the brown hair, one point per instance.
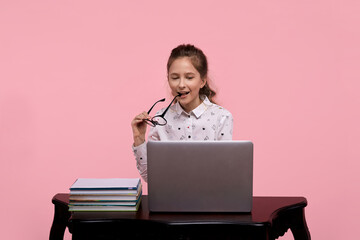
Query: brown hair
point(198, 60)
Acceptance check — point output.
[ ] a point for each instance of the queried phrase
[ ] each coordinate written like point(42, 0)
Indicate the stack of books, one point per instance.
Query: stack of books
point(105, 194)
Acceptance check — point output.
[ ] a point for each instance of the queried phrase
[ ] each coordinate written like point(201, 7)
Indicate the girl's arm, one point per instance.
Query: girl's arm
point(140, 153)
point(138, 126)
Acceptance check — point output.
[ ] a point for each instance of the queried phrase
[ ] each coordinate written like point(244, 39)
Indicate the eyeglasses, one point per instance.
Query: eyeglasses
point(159, 119)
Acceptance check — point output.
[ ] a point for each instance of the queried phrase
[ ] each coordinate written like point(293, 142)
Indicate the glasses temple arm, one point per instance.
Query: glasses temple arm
point(161, 100)
point(163, 114)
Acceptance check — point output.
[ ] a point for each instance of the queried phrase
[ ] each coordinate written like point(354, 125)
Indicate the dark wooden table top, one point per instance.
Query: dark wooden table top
point(270, 218)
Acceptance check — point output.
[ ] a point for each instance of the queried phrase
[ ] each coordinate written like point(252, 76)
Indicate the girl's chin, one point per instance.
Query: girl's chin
point(183, 102)
point(182, 98)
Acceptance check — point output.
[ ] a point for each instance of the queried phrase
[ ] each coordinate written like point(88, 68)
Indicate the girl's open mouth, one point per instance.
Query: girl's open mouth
point(183, 94)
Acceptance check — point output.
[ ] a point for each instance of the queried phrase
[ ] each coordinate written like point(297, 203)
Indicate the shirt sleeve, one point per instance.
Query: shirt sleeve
point(140, 153)
point(225, 126)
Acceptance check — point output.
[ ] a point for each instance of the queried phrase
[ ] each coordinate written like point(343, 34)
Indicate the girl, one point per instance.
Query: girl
point(194, 116)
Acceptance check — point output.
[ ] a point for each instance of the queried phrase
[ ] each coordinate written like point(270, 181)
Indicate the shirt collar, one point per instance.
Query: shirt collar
point(199, 110)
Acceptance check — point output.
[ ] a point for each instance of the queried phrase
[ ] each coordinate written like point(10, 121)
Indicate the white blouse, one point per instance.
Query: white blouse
point(207, 122)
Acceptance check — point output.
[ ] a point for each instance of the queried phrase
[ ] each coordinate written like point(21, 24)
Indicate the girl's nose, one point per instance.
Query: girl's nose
point(182, 83)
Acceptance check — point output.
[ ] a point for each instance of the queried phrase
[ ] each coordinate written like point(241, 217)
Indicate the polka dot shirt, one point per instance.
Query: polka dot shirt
point(207, 122)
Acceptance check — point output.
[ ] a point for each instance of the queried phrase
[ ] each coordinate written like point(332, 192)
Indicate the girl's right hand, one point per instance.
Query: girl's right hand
point(139, 128)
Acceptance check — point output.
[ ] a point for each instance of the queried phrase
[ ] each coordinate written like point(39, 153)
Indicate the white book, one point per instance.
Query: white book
point(106, 184)
point(134, 192)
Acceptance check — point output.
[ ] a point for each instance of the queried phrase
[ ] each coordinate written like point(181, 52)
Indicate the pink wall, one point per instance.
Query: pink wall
point(73, 75)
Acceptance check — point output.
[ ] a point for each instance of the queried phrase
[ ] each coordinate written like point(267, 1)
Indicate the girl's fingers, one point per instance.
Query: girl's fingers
point(145, 115)
point(139, 121)
point(142, 116)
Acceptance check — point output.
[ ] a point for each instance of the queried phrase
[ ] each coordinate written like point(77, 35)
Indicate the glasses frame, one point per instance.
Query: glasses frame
point(152, 122)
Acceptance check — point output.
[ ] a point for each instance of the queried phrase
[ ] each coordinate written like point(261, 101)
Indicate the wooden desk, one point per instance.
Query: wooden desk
point(271, 218)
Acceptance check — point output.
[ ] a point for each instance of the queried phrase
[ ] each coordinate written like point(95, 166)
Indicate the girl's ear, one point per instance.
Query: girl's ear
point(203, 82)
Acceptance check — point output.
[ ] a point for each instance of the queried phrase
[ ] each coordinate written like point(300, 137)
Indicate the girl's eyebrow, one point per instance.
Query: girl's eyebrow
point(177, 74)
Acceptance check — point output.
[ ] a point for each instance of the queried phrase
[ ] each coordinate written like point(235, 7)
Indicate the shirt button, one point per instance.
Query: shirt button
point(189, 116)
point(189, 136)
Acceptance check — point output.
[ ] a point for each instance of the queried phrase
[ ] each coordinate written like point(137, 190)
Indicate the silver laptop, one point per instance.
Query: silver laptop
point(196, 176)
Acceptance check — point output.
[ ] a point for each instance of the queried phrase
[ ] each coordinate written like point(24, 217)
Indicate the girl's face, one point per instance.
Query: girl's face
point(185, 79)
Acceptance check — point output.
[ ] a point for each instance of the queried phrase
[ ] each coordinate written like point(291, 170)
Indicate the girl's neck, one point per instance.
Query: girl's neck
point(191, 106)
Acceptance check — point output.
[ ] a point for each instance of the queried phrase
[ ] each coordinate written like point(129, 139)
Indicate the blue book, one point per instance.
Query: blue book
point(105, 208)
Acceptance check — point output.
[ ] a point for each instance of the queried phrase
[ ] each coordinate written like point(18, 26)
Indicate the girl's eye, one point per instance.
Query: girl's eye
point(190, 77)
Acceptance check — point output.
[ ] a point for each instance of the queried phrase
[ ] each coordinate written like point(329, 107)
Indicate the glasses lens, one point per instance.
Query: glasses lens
point(149, 122)
point(159, 120)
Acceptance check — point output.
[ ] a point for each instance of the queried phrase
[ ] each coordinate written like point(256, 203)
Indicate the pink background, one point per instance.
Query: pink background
point(73, 74)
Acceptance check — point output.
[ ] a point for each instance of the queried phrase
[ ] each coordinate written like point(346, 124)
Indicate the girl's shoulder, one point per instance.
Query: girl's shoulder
point(220, 110)
point(215, 108)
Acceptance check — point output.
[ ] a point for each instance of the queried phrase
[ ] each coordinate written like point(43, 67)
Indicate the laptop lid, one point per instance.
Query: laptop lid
point(200, 176)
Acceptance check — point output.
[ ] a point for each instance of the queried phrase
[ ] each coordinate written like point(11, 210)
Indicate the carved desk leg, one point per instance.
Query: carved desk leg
point(299, 227)
point(61, 217)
